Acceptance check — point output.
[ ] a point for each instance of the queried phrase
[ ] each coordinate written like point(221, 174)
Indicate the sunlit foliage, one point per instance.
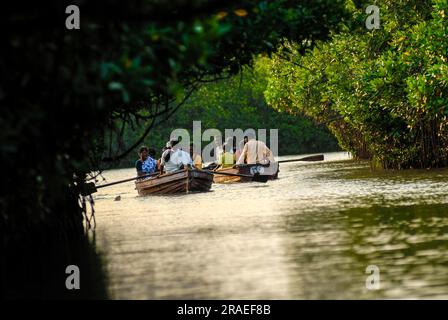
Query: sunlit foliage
point(382, 93)
point(60, 89)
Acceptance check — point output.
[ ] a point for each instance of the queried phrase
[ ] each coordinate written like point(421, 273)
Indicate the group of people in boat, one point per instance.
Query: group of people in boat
point(173, 158)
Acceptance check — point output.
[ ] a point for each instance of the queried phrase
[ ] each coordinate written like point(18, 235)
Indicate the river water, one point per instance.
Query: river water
point(311, 234)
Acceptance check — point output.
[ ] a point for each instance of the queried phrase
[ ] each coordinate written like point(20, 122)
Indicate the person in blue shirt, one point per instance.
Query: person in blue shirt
point(146, 164)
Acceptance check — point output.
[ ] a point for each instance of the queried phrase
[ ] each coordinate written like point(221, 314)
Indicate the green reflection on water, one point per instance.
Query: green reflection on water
point(409, 244)
point(309, 235)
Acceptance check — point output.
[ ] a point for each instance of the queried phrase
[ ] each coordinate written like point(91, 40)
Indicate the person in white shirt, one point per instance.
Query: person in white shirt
point(255, 152)
point(218, 148)
point(174, 158)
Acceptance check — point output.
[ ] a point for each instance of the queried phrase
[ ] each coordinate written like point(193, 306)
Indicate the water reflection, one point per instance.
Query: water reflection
point(310, 234)
point(332, 250)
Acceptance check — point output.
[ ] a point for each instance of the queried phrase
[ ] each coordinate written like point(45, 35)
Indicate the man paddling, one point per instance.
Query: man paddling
point(174, 159)
point(255, 152)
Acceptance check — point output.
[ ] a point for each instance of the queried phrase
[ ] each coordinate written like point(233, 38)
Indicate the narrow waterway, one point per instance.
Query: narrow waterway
point(311, 234)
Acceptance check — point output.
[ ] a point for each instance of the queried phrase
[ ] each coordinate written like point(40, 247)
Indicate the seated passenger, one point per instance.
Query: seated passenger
point(226, 159)
point(175, 159)
point(240, 148)
point(196, 157)
point(159, 161)
point(146, 164)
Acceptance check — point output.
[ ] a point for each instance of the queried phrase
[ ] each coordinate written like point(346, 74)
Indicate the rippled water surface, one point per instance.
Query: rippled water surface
point(309, 235)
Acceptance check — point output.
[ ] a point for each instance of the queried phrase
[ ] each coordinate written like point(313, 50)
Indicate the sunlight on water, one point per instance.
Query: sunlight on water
point(310, 234)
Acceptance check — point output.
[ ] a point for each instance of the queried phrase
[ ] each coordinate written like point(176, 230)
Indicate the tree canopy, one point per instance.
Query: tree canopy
point(382, 93)
point(237, 102)
point(62, 89)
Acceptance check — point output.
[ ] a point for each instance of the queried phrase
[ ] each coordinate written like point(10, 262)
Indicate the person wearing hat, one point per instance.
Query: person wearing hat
point(174, 158)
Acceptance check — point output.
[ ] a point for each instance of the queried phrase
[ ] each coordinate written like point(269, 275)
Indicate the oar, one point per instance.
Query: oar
point(319, 157)
point(255, 177)
point(89, 188)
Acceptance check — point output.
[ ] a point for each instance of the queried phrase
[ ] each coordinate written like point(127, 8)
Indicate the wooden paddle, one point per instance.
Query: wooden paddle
point(255, 177)
point(89, 188)
point(319, 157)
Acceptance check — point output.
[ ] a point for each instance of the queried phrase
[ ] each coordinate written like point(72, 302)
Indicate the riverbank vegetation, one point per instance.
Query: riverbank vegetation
point(231, 103)
point(62, 90)
point(383, 93)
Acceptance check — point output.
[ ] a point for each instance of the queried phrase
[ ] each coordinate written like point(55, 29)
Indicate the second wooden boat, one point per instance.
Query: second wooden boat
point(183, 181)
point(270, 170)
point(228, 179)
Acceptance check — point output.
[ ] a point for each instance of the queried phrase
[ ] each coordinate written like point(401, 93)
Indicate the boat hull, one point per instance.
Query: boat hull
point(184, 181)
point(228, 179)
point(271, 171)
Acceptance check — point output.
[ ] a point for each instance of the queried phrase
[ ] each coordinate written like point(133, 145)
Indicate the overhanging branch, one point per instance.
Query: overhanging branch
point(166, 111)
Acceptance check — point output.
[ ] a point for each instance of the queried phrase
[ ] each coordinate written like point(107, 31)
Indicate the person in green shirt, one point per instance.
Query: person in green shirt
point(226, 159)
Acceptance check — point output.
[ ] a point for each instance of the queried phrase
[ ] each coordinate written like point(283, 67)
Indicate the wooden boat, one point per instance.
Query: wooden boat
point(270, 170)
point(228, 179)
point(183, 181)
